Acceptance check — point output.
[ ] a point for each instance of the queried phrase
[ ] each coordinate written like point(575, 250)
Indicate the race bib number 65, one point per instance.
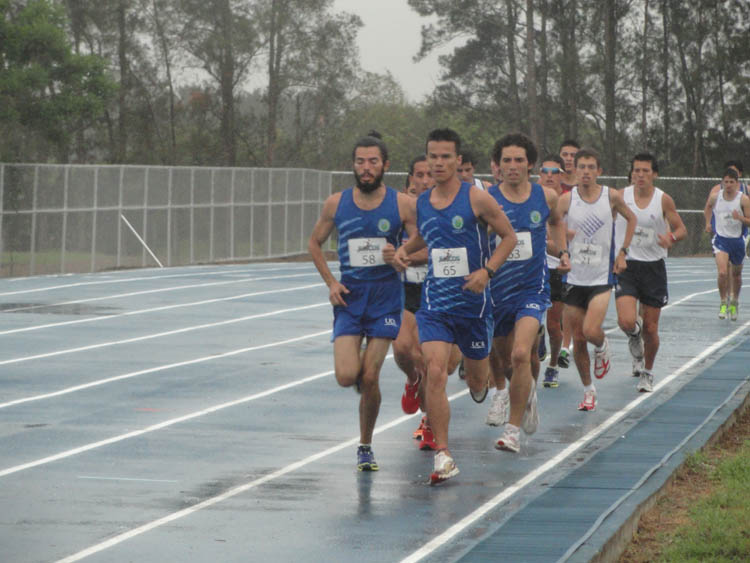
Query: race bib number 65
point(366, 252)
point(449, 262)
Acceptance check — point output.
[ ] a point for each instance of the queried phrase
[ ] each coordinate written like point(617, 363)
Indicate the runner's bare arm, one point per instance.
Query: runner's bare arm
point(619, 205)
point(320, 233)
point(677, 228)
point(407, 208)
point(557, 228)
point(709, 209)
point(486, 208)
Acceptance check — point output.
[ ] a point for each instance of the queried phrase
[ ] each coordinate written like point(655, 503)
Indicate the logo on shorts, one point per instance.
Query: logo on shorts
point(535, 217)
point(384, 225)
point(390, 321)
point(457, 222)
point(534, 306)
point(477, 345)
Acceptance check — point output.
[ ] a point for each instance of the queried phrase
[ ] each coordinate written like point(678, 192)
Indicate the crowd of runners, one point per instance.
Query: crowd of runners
point(459, 275)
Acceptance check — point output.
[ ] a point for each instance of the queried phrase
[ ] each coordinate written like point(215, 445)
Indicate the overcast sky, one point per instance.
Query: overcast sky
point(389, 39)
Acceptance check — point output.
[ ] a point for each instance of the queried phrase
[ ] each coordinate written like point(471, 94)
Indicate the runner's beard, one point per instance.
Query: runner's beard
point(369, 187)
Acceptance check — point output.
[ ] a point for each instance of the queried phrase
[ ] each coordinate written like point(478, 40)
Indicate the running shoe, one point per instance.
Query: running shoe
point(499, 408)
point(550, 377)
point(602, 360)
point(635, 345)
point(428, 440)
point(445, 468)
point(563, 360)
point(589, 401)
point(542, 345)
point(366, 459)
point(645, 382)
point(530, 420)
point(723, 311)
point(461, 369)
point(510, 440)
point(733, 312)
point(410, 398)
point(420, 429)
point(481, 395)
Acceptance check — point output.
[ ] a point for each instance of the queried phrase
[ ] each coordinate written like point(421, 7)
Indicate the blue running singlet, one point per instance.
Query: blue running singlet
point(525, 270)
point(362, 235)
point(458, 245)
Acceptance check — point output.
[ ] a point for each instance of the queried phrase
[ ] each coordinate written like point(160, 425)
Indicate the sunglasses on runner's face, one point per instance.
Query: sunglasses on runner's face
point(549, 170)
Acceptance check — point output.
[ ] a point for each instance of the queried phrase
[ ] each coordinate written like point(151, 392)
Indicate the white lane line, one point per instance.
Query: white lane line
point(236, 490)
point(158, 334)
point(94, 478)
point(450, 532)
point(693, 281)
point(156, 369)
point(468, 520)
point(158, 290)
point(173, 421)
point(155, 309)
point(126, 280)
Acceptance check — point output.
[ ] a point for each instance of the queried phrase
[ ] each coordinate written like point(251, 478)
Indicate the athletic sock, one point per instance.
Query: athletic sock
point(588, 388)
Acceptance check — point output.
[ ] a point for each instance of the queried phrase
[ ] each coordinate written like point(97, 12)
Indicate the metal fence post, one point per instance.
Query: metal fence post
point(93, 219)
point(32, 260)
point(119, 213)
point(63, 237)
point(169, 218)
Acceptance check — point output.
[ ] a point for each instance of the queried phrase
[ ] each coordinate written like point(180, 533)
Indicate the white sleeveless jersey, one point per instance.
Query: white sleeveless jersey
point(726, 225)
point(591, 250)
point(650, 223)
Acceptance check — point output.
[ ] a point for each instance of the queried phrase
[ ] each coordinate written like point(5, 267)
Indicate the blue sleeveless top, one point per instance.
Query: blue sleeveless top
point(519, 276)
point(352, 222)
point(456, 226)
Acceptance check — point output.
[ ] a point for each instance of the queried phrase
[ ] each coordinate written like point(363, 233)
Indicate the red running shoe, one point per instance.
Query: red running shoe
point(602, 360)
point(410, 398)
point(428, 440)
point(420, 429)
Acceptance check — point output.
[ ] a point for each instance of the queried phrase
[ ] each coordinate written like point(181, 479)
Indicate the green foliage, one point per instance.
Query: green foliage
point(719, 524)
point(45, 89)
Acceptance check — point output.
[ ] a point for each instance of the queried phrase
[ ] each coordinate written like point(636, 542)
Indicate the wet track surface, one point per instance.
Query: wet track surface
point(191, 414)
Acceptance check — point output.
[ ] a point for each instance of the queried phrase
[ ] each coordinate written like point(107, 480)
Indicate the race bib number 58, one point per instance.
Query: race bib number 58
point(366, 252)
point(449, 262)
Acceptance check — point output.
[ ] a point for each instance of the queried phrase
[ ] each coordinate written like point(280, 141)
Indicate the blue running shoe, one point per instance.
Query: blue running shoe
point(550, 377)
point(366, 459)
point(542, 345)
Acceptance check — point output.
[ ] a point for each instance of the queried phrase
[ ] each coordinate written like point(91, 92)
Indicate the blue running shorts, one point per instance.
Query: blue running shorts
point(735, 247)
point(373, 309)
point(473, 335)
point(506, 315)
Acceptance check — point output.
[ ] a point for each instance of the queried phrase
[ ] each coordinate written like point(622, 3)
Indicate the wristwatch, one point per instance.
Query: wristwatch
point(624, 250)
point(563, 251)
point(490, 272)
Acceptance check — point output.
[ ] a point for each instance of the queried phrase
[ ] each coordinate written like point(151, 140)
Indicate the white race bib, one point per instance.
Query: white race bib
point(585, 253)
point(416, 274)
point(449, 262)
point(366, 252)
point(522, 250)
point(643, 236)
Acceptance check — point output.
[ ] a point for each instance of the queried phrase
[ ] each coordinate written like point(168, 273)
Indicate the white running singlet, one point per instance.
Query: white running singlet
point(591, 250)
point(726, 225)
point(650, 223)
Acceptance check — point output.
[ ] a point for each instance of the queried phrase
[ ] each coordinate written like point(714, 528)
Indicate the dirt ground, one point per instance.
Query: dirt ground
point(657, 527)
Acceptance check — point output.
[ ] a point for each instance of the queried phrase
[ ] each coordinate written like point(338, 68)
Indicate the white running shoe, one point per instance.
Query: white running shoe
point(635, 345)
point(510, 440)
point(499, 409)
point(530, 420)
point(445, 468)
point(645, 382)
point(602, 360)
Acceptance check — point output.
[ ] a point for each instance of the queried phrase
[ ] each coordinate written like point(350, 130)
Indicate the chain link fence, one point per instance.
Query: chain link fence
point(78, 218)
